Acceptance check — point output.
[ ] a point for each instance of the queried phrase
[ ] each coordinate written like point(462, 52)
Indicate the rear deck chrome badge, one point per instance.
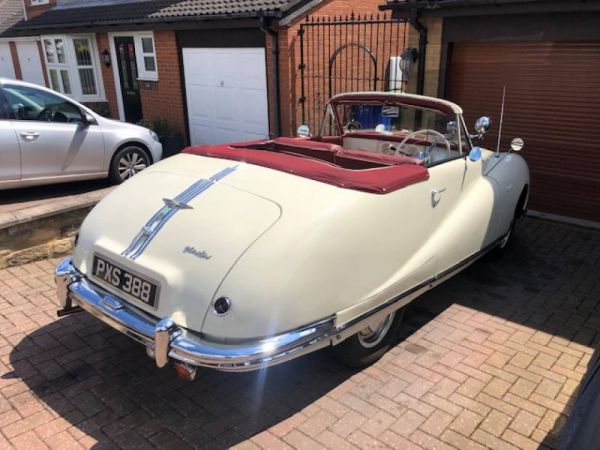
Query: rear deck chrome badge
point(176, 204)
point(170, 208)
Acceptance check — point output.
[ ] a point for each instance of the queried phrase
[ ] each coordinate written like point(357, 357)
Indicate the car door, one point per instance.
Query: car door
point(54, 137)
point(461, 202)
point(446, 180)
point(10, 157)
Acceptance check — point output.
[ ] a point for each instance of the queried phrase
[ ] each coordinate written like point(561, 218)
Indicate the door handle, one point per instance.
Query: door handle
point(436, 196)
point(29, 135)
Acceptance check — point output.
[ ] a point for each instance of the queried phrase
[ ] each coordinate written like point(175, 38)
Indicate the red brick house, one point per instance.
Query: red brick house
point(217, 70)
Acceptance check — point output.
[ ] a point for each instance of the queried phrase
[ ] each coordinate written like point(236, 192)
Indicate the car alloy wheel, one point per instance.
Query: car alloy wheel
point(132, 161)
point(374, 333)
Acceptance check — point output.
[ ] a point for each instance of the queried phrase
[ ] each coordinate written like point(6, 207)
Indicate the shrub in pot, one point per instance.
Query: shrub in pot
point(171, 141)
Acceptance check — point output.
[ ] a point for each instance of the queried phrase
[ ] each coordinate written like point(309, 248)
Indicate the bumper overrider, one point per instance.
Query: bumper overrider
point(165, 340)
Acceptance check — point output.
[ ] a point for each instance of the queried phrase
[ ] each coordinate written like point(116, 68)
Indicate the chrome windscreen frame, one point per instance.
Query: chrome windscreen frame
point(166, 341)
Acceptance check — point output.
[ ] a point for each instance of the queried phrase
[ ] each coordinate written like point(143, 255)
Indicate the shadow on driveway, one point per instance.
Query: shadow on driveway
point(15, 199)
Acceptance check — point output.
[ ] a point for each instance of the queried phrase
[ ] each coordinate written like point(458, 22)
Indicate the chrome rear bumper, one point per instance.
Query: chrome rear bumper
point(165, 340)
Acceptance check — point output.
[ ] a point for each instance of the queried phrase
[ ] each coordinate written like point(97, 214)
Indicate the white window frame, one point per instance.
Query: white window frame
point(73, 69)
point(143, 74)
point(39, 2)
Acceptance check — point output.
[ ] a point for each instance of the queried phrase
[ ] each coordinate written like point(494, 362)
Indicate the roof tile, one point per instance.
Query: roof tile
point(103, 12)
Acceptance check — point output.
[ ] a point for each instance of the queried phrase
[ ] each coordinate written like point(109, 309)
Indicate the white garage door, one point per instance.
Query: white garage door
point(226, 92)
point(29, 60)
point(6, 66)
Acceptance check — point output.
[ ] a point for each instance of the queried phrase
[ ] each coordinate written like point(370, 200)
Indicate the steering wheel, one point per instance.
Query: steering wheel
point(427, 132)
point(45, 115)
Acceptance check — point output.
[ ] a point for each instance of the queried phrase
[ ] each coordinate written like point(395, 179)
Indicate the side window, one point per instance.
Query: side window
point(34, 104)
point(4, 108)
point(442, 135)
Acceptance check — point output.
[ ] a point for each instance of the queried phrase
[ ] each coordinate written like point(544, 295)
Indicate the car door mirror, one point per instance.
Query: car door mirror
point(88, 119)
point(482, 125)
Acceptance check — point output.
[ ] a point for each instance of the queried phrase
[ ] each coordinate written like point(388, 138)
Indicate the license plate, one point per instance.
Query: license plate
point(125, 281)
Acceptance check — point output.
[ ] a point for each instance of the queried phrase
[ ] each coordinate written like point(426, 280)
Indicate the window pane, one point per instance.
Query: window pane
point(147, 45)
point(64, 75)
point(54, 80)
point(149, 63)
point(49, 50)
point(88, 84)
point(123, 71)
point(60, 50)
point(82, 52)
point(34, 104)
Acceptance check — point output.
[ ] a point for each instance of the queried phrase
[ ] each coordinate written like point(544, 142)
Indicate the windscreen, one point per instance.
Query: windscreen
point(392, 118)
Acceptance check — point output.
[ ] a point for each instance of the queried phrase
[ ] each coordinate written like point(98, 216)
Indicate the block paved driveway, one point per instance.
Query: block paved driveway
point(492, 358)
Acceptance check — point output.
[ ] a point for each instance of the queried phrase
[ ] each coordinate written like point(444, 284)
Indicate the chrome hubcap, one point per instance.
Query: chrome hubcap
point(374, 333)
point(131, 163)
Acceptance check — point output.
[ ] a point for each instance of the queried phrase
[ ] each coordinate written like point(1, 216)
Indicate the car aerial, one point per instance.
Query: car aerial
point(49, 138)
point(240, 256)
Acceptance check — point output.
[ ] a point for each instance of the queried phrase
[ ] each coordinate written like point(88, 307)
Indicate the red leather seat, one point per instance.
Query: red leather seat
point(313, 149)
point(362, 159)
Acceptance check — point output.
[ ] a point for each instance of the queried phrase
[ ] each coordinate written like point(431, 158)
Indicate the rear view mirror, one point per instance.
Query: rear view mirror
point(452, 127)
point(303, 131)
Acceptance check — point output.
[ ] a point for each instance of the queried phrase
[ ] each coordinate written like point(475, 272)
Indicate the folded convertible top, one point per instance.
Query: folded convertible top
point(378, 180)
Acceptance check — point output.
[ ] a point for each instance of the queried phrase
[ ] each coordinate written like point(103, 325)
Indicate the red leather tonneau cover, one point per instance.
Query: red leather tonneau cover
point(379, 180)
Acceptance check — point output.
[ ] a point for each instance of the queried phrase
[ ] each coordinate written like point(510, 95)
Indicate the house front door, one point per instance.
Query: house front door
point(128, 77)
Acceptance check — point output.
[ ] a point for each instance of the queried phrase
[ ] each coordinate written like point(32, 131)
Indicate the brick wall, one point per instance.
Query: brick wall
point(165, 98)
point(162, 99)
point(43, 62)
point(35, 10)
point(434, 27)
point(15, 60)
point(108, 76)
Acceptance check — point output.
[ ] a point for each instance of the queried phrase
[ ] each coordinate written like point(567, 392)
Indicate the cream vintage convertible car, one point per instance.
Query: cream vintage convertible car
point(241, 256)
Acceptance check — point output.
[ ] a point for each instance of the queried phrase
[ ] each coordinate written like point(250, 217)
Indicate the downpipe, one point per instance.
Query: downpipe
point(275, 71)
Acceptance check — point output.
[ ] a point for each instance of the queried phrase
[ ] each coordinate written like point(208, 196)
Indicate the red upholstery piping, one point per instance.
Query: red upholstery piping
point(380, 180)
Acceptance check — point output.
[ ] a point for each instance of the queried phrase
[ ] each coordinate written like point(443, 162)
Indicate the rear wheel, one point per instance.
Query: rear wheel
point(127, 162)
point(370, 343)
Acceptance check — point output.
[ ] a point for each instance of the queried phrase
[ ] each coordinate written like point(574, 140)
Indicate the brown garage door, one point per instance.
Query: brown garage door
point(552, 102)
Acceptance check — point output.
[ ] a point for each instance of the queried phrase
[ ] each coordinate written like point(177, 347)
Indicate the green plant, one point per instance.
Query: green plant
point(162, 127)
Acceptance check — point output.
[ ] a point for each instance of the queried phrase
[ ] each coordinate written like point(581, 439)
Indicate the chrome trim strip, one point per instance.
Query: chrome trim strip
point(166, 212)
point(428, 283)
point(167, 340)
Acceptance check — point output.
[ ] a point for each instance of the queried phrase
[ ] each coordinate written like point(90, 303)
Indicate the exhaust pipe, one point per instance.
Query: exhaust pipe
point(185, 371)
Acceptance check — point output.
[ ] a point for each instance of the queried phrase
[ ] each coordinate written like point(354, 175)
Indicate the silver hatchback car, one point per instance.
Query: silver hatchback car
point(46, 137)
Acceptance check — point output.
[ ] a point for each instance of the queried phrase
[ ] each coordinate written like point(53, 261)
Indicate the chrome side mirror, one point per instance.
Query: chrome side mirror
point(517, 144)
point(482, 125)
point(303, 131)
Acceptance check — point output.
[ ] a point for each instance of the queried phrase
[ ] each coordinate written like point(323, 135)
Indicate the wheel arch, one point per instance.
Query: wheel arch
point(132, 143)
point(521, 207)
